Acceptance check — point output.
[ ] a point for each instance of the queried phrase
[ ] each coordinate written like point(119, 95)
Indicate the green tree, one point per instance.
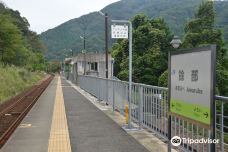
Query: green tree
point(19, 45)
point(201, 31)
point(11, 41)
point(163, 79)
point(151, 39)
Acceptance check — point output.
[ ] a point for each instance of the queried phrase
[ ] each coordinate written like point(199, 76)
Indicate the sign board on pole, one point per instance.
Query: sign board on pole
point(192, 84)
point(119, 31)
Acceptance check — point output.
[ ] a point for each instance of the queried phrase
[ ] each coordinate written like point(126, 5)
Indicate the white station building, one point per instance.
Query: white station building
point(91, 64)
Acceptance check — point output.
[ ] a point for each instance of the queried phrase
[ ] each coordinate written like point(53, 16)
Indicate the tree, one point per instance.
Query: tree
point(18, 45)
point(201, 31)
point(150, 50)
point(11, 42)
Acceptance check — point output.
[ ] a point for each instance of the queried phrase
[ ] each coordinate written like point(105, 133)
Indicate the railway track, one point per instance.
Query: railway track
point(13, 112)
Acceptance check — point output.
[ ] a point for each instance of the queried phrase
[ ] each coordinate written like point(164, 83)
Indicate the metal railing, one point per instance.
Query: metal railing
point(150, 110)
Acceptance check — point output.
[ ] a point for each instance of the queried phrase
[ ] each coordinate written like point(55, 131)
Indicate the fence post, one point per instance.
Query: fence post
point(140, 107)
point(208, 136)
point(127, 99)
point(99, 89)
point(222, 128)
point(113, 96)
point(106, 90)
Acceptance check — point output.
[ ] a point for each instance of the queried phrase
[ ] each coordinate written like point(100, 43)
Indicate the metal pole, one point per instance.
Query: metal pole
point(84, 44)
point(213, 105)
point(130, 71)
point(106, 55)
point(141, 107)
point(222, 128)
point(84, 63)
point(113, 96)
point(169, 116)
point(84, 47)
point(106, 43)
point(130, 66)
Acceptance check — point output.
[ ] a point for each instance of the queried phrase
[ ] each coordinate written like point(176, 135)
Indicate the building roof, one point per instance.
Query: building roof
point(68, 60)
point(91, 57)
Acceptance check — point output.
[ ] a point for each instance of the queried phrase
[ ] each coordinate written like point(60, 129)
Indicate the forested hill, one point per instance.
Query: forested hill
point(18, 44)
point(175, 12)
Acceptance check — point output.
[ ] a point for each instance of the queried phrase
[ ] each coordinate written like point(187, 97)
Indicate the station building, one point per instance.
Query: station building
point(91, 63)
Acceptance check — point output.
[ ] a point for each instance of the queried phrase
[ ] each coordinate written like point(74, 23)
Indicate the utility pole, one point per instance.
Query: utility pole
point(106, 44)
point(84, 51)
point(84, 45)
point(84, 62)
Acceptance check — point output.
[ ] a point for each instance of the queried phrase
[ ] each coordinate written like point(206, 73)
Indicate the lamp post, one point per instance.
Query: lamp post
point(176, 42)
point(106, 41)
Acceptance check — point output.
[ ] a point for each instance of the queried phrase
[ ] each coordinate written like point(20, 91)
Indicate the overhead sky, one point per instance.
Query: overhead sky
point(46, 14)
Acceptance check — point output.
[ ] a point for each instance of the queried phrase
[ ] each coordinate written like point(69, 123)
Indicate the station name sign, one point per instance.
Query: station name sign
point(192, 83)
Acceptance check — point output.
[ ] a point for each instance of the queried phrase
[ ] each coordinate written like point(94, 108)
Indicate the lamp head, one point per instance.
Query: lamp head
point(101, 13)
point(176, 42)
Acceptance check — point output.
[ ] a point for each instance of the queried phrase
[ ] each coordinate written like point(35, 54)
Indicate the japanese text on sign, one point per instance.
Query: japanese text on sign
point(190, 85)
point(119, 31)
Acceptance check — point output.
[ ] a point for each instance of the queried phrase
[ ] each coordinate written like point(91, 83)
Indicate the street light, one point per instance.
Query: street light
point(176, 42)
point(84, 52)
point(101, 13)
point(106, 41)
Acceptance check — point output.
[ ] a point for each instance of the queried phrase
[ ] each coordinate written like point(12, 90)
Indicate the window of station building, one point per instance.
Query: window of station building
point(93, 66)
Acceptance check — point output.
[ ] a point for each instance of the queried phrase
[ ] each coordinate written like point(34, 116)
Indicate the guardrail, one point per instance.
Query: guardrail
point(150, 110)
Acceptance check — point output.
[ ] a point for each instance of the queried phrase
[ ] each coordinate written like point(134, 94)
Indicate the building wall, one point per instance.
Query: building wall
point(92, 57)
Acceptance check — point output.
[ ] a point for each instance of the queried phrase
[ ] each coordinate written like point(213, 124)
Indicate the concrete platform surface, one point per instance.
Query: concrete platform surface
point(33, 133)
point(148, 139)
point(62, 113)
point(91, 130)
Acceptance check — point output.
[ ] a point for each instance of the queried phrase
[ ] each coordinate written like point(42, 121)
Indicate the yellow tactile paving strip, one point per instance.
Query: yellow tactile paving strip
point(59, 137)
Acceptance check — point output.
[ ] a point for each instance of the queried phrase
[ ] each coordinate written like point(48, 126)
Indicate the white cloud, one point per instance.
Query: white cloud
point(46, 14)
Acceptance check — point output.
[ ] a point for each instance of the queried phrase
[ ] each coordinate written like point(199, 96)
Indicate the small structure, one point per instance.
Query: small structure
point(90, 64)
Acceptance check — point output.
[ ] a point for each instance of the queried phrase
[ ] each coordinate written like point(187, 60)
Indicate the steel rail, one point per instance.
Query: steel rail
point(35, 93)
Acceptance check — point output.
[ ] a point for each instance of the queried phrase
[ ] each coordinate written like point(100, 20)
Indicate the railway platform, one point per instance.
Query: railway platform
point(63, 120)
point(32, 135)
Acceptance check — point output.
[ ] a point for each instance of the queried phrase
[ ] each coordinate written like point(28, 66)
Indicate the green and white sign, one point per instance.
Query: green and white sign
point(192, 83)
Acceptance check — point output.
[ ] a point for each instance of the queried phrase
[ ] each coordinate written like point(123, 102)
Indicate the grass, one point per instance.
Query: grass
point(14, 80)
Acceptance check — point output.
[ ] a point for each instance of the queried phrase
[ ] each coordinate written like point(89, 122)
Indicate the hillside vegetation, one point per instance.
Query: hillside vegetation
point(176, 14)
point(151, 45)
point(15, 80)
point(21, 54)
point(18, 45)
